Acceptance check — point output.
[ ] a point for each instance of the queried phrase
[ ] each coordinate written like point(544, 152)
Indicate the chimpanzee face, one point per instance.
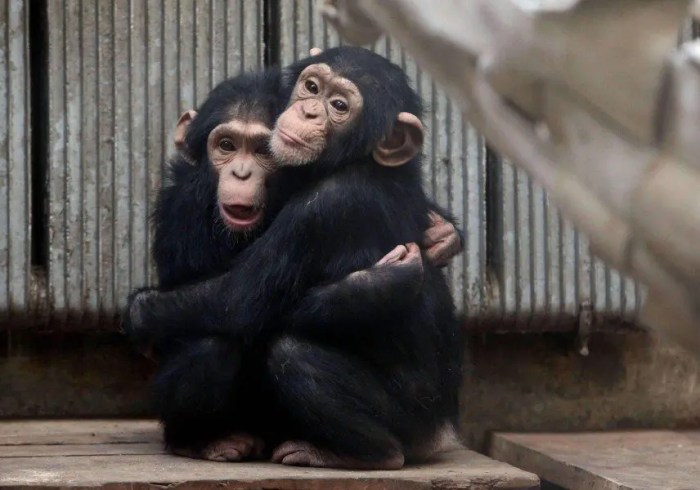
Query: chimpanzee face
point(322, 104)
point(238, 151)
point(347, 104)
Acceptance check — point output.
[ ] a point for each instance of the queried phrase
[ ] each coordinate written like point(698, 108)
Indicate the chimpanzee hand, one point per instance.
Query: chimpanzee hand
point(441, 240)
point(133, 319)
point(406, 256)
point(398, 273)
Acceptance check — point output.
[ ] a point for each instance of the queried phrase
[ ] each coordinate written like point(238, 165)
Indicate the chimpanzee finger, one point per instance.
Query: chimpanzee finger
point(435, 218)
point(438, 229)
point(441, 252)
point(412, 249)
point(438, 233)
point(398, 253)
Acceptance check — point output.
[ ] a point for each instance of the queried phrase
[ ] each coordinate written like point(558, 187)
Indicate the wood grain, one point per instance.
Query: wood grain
point(117, 455)
point(606, 460)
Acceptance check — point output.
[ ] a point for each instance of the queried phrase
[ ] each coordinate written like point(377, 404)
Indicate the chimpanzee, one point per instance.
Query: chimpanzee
point(342, 389)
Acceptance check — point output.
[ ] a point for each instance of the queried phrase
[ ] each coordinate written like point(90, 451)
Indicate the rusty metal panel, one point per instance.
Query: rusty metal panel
point(15, 161)
point(455, 157)
point(120, 73)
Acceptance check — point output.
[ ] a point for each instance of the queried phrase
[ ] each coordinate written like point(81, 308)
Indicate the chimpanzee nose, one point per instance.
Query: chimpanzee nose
point(241, 172)
point(311, 109)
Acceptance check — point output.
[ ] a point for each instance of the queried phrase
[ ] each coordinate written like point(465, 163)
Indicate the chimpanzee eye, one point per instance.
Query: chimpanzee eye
point(263, 150)
point(227, 145)
point(339, 105)
point(311, 86)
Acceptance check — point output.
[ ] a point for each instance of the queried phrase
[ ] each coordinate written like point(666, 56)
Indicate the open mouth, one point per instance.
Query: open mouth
point(240, 216)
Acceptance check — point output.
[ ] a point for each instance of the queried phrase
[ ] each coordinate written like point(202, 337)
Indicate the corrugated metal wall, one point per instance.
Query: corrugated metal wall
point(117, 74)
point(543, 272)
point(120, 74)
point(15, 161)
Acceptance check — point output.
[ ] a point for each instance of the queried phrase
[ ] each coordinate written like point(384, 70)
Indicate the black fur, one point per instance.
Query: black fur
point(191, 242)
point(289, 357)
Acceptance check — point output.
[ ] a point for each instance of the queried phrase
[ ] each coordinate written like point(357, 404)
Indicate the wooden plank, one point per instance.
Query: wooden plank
point(455, 470)
point(63, 450)
point(45, 454)
point(606, 460)
point(78, 432)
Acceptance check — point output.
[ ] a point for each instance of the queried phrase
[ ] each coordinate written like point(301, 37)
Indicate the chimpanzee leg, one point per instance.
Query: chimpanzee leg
point(200, 396)
point(337, 412)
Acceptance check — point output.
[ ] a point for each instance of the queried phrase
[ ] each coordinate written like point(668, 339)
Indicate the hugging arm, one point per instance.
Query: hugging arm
point(382, 290)
point(266, 279)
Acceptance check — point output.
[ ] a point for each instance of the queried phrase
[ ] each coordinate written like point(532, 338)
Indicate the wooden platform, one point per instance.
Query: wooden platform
point(128, 454)
point(607, 460)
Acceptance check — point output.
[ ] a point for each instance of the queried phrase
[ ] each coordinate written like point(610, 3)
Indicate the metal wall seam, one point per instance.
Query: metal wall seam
point(118, 81)
point(15, 160)
point(56, 159)
point(454, 165)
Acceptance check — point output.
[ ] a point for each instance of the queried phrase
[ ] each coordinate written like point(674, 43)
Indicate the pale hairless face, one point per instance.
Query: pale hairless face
point(239, 152)
point(322, 104)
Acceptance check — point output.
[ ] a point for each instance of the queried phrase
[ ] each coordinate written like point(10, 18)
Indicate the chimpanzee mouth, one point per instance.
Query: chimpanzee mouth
point(292, 139)
point(240, 216)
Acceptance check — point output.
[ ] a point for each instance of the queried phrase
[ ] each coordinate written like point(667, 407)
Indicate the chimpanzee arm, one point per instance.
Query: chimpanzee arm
point(382, 291)
point(379, 291)
point(274, 273)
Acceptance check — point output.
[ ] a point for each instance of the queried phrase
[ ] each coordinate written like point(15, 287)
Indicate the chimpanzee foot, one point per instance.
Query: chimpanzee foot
point(302, 453)
point(235, 447)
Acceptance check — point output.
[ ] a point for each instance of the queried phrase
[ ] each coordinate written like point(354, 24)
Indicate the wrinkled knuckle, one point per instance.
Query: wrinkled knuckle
point(447, 229)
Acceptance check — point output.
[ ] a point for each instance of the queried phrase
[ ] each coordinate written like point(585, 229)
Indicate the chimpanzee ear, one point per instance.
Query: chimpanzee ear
point(181, 129)
point(315, 51)
point(404, 142)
